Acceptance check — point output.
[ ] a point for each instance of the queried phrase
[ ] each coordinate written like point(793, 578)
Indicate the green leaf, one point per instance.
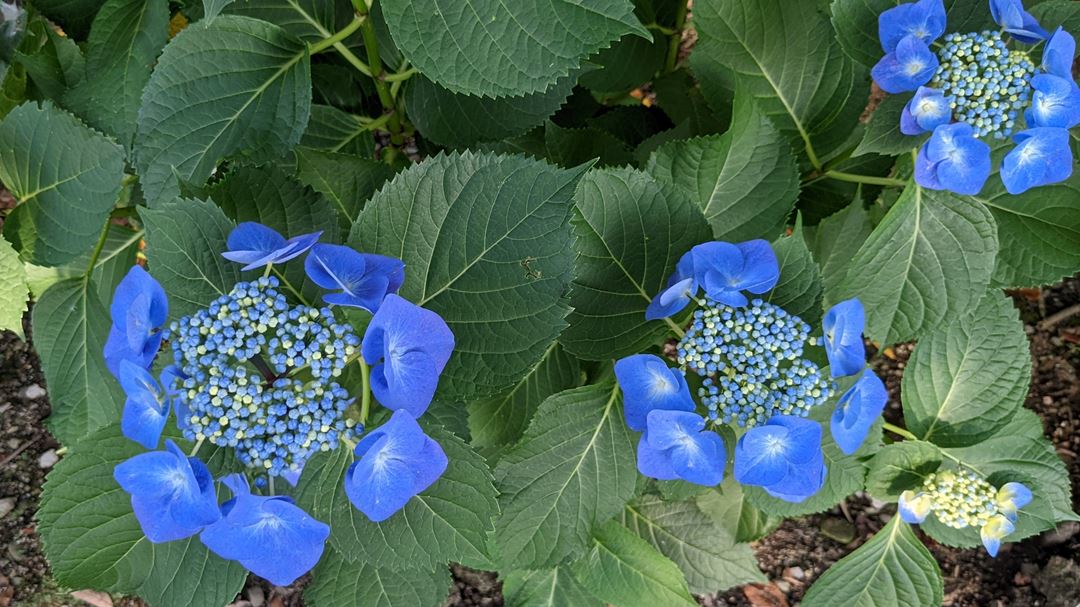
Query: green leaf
point(74, 15)
point(730, 510)
point(928, 260)
point(883, 134)
point(93, 540)
point(53, 61)
point(347, 181)
point(573, 469)
point(230, 86)
point(545, 588)
point(679, 95)
point(966, 380)
point(632, 124)
point(746, 180)
point(448, 521)
point(487, 245)
point(71, 325)
point(631, 231)
point(12, 87)
point(337, 582)
point(309, 20)
point(116, 258)
point(496, 423)
point(822, 196)
point(65, 179)
point(14, 290)
point(1057, 13)
point(893, 568)
point(457, 120)
point(799, 289)
point(625, 65)
point(787, 54)
point(835, 241)
point(184, 242)
point(625, 571)
point(504, 49)
point(575, 146)
point(901, 466)
point(707, 554)
point(332, 130)
point(213, 8)
point(125, 41)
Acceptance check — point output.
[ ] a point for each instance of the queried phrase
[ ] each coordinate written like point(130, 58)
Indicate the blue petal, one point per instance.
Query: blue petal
point(255, 245)
point(800, 482)
point(138, 309)
point(1055, 102)
point(654, 463)
point(647, 383)
point(137, 283)
point(803, 441)
point(857, 411)
point(913, 507)
point(926, 170)
point(842, 327)
point(363, 279)
point(1043, 156)
point(760, 455)
point(760, 269)
point(1058, 54)
point(671, 300)
point(701, 460)
point(925, 111)
point(297, 246)
point(924, 19)
point(994, 531)
point(962, 160)
point(413, 345)
point(911, 65)
point(725, 269)
point(172, 495)
point(667, 429)
point(1010, 14)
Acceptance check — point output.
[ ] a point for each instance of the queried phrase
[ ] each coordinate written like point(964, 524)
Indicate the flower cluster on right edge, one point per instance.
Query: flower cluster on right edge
point(747, 364)
point(974, 85)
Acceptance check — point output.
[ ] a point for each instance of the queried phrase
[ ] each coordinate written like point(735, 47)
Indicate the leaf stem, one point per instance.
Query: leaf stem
point(344, 33)
point(867, 179)
point(195, 449)
point(288, 285)
point(899, 431)
point(97, 249)
point(675, 327)
point(386, 98)
point(676, 37)
point(399, 76)
point(365, 398)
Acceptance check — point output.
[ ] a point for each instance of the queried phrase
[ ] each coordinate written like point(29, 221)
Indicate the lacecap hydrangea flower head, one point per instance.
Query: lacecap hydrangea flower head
point(751, 374)
point(974, 86)
point(256, 374)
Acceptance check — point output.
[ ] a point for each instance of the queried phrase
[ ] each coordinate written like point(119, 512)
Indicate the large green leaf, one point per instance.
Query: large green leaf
point(928, 260)
point(1055, 13)
point(707, 554)
point(337, 582)
point(631, 231)
point(448, 521)
point(495, 49)
point(113, 262)
point(799, 288)
point(554, 587)
point(53, 61)
point(625, 65)
point(230, 86)
point(728, 507)
point(883, 134)
point(835, 241)
point(624, 570)
point(966, 380)
point(487, 244)
point(65, 179)
point(184, 242)
point(13, 289)
point(573, 469)
point(787, 54)
point(497, 422)
point(746, 180)
point(93, 540)
point(346, 180)
point(124, 43)
point(309, 20)
point(332, 130)
point(901, 466)
point(893, 568)
point(570, 147)
point(71, 325)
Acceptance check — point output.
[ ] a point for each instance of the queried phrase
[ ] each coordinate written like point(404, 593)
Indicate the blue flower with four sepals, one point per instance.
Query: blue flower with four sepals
point(1019, 23)
point(1058, 54)
point(397, 461)
point(139, 309)
point(783, 456)
point(927, 110)
point(857, 411)
point(924, 20)
point(676, 445)
point(725, 270)
point(953, 159)
point(146, 408)
point(363, 278)
point(843, 327)
point(1011, 497)
point(1034, 161)
point(911, 65)
point(270, 535)
point(647, 383)
point(682, 286)
point(408, 347)
point(1055, 102)
point(256, 245)
point(172, 495)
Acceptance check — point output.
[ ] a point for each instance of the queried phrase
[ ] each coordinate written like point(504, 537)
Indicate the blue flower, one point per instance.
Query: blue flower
point(994, 531)
point(783, 456)
point(1058, 54)
point(925, 20)
point(270, 535)
point(146, 409)
point(1012, 17)
point(911, 65)
point(648, 383)
point(139, 308)
point(914, 507)
point(364, 279)
point(682, 286)
point(842, 328)
point(857, 410)
point(256, 245)
point(1042, 156)
point(408, 347)
point(726, 269)
point(1056, 102)
point(1010, 498)
point(172, 495)
point(953, 159)
point(676, 445)
point(927, 110)
point(397, 461)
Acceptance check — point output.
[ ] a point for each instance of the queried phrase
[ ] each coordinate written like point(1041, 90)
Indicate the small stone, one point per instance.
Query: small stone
point(784, 586)
point(764, 595)
point(48, 459)
point(1047, 400)
point(7, 504)
point(838, 529)
point(1062, 534)
point(256, 596)
point(33, 392)
point(796, 573)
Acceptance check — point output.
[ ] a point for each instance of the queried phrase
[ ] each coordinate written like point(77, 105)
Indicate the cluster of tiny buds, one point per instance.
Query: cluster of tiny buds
point(960, 499)
point(274, 415)
point(751, 359)
point(986, 83)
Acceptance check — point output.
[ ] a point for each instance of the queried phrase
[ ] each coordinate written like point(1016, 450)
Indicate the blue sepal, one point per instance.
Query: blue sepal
point(924, 19)
point(953, 159)
point(783, 456)
point(647, 383)
point(1055, 102)
point(1058, 54)
point(1042, 156)
point(1019, 23)
point(681, 287)
point(927, 110)
point(843, 327)
point(256, 245)
point(364, 279)
point(907, 68)
point(677, 443)
point(138, 310)
point(146, 408)
point(725, 270)
point(857, 411)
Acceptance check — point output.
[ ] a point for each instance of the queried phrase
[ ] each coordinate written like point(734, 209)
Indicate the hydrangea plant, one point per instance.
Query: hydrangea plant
point(340, 292)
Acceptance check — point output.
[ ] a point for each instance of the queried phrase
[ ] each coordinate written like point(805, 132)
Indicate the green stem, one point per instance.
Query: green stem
point(676, 37)
point(270, 484)
point(288, 285)
point(365, 398)
point(195, 449)
point(97, 250)
point(344, 33)
point(899, 431)
point(269, 267)
point(400, 76)
point(386, 98)
point(867, 179)
point(675, 327)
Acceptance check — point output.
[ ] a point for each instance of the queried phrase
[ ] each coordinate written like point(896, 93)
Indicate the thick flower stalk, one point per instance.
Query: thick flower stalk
point(974, 86)
point(261, 376)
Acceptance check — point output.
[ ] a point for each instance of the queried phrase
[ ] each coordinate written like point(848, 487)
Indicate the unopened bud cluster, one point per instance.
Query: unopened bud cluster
point(960, 499)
